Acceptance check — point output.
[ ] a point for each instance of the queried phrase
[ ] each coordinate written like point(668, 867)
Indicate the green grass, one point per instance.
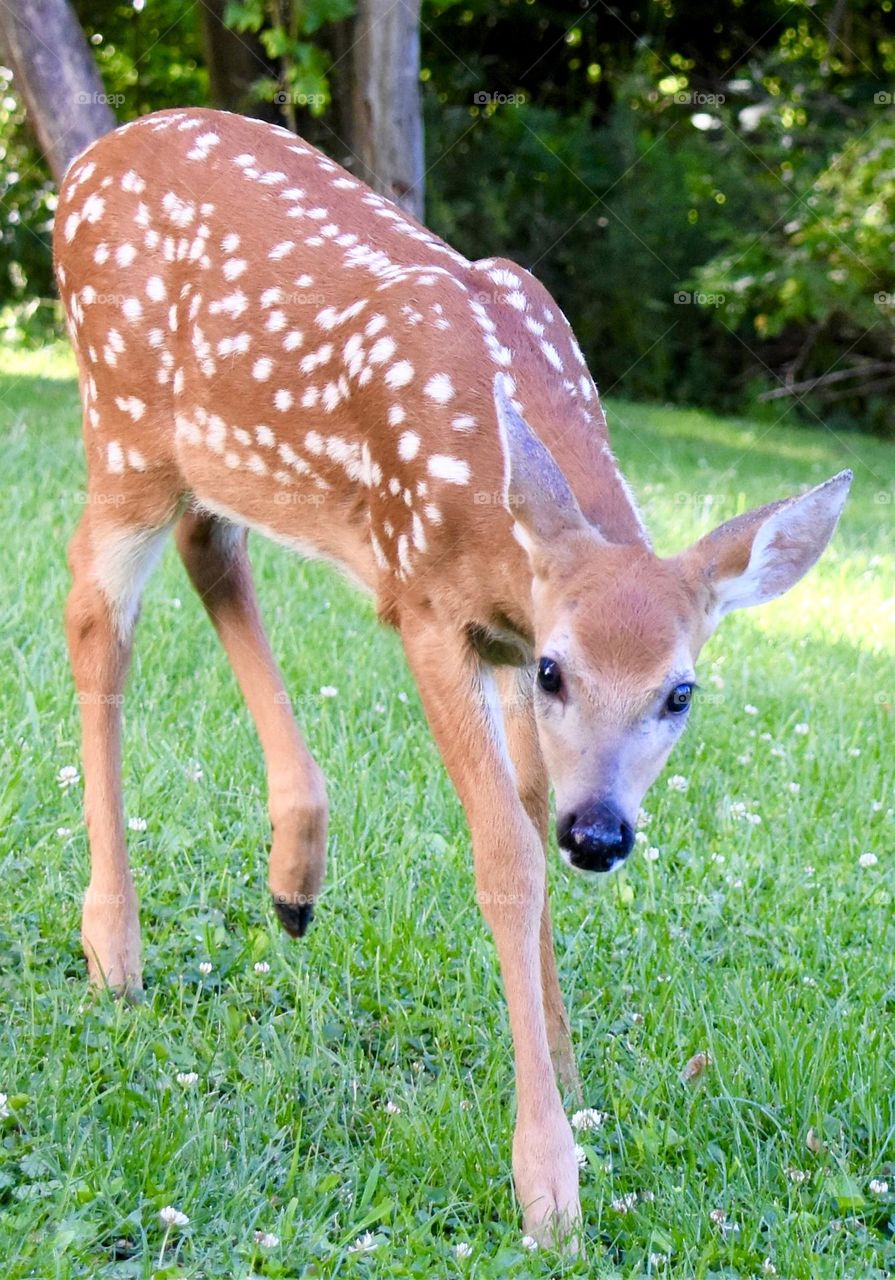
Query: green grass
point(728, 944)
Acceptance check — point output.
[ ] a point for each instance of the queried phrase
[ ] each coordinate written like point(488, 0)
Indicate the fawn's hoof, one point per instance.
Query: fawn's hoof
point(294, 918)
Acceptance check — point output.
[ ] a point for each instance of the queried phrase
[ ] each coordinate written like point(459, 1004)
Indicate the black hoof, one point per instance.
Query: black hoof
point(294, 919)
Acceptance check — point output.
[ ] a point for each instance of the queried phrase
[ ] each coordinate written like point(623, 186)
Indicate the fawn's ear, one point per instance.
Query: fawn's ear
point(756, 557)
point(535, 491)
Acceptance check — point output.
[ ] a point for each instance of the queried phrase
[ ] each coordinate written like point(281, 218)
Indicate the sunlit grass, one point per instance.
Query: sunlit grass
point(767, 944)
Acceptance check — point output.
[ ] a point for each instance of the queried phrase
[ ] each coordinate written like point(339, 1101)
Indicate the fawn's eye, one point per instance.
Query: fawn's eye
point(679, 699)
point(549, 677)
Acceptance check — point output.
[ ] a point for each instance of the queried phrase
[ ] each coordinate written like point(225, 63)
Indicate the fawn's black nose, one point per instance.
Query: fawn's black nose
point(597, 839)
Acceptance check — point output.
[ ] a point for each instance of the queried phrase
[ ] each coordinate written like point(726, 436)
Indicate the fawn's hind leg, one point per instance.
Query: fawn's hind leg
point(215, 556)
point(111, 557)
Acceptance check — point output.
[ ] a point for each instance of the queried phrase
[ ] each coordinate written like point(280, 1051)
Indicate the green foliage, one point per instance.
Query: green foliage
point(828, 275)
point(284, 31)
point(707, 190)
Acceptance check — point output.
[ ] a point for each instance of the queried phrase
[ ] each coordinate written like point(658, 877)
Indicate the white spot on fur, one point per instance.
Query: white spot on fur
point(439, 388)
point(399, 375)
point(444, 467)
point(408, 446)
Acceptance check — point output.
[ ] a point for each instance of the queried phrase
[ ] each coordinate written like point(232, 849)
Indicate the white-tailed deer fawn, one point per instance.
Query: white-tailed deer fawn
point(265, 343)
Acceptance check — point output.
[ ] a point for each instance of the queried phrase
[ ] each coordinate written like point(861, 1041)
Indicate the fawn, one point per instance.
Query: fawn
point(264, 343)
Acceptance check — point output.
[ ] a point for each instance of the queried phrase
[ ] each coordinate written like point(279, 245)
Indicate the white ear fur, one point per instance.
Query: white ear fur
point(785, 546)
point(535, 491)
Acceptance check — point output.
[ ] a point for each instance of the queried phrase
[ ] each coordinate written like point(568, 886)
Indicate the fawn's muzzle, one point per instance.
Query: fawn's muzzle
point(597, 839)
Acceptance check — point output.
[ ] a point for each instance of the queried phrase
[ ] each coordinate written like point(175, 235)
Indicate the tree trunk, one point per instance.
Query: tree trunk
point(235, 60)
point(387, 121)
point(54, 72)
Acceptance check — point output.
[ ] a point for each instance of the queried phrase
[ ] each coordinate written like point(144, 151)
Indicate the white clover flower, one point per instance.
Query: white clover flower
point(137, 824)
point(266, 1239)
point(718, 1216)
point(261, 966)
point(651, 854)
point(750, 710)
point(68, 776)
point(854, 751)
point(643, 818)
point(392, 1108)
point(658, 1259)
point(63, 832)
point(801, 729)
point(809, 869)
point(798, 1175)
point(462, 1250)
point(187, 1078)
point(4, 1108)
point(206, 967)
point(868, 859)
point(402, 696)
point(768, 1267)
point(677, 782)
point(744, 759)
point(738, 809)
point(794, 788)
point(364, 1244)
point(754, 819)
point(193, 771)
point(641, 837)
point(626, 1203)
point(172, 1217)
point(529, 1243)
point(580, 1155)
point(878, 1186)
point(330, 691)
point(588, 1118)
point(379, 708)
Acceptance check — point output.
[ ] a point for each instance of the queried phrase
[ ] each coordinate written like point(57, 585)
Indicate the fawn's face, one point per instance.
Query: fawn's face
point(618, 631)
point(617, 636)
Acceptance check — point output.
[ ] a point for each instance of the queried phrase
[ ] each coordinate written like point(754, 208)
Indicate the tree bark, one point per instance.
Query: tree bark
point(387, 124)
point(235, 60)
point(56, 75)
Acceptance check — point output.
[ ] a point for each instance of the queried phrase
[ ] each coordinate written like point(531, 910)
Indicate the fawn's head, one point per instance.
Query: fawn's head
point(618, 630)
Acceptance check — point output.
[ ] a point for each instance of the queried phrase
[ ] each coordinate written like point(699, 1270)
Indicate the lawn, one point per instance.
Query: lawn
point(360, 1081)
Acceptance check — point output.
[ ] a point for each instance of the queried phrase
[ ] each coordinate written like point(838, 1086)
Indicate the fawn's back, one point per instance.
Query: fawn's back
point(260, 331)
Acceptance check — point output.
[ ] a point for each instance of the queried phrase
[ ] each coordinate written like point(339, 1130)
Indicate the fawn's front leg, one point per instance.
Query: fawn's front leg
point(515, 687)
point(509, 869)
